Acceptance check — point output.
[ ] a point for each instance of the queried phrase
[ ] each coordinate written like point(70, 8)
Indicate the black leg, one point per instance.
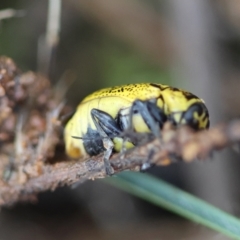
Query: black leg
point(107, 128)
point(103, 121)
point(152, 115)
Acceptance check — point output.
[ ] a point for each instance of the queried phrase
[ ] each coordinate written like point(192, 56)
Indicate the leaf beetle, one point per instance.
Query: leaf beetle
point(101, 117)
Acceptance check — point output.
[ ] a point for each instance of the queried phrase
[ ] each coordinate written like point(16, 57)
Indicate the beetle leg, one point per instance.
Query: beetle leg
point(122, 120)
point(108, 145)
point(105, 122)
point(123, 148)
point(107, 128)
point(152, 115)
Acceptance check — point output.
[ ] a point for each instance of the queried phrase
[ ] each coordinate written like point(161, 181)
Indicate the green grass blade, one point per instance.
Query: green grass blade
point(165, 195)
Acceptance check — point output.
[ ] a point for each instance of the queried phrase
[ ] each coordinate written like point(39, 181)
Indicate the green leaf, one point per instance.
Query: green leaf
point(167, 196)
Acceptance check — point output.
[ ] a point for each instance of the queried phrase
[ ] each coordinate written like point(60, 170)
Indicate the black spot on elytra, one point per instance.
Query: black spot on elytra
point(161, 97)
point(158, 86)
point(189, 95)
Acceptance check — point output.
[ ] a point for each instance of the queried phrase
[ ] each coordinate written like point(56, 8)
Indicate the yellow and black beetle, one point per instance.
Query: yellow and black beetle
point(103, 116)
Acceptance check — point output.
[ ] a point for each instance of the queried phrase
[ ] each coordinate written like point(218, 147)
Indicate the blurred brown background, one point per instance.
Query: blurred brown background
point(193, 45)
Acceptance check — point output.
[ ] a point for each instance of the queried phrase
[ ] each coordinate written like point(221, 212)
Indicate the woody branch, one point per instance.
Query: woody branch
point(30, 136)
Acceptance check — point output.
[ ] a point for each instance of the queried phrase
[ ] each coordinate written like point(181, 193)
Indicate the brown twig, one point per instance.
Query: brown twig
point(181, 142)
point(30, 164)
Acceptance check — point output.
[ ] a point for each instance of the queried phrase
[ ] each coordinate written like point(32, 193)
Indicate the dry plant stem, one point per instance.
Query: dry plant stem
point(30, 137)
point(181, 142)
